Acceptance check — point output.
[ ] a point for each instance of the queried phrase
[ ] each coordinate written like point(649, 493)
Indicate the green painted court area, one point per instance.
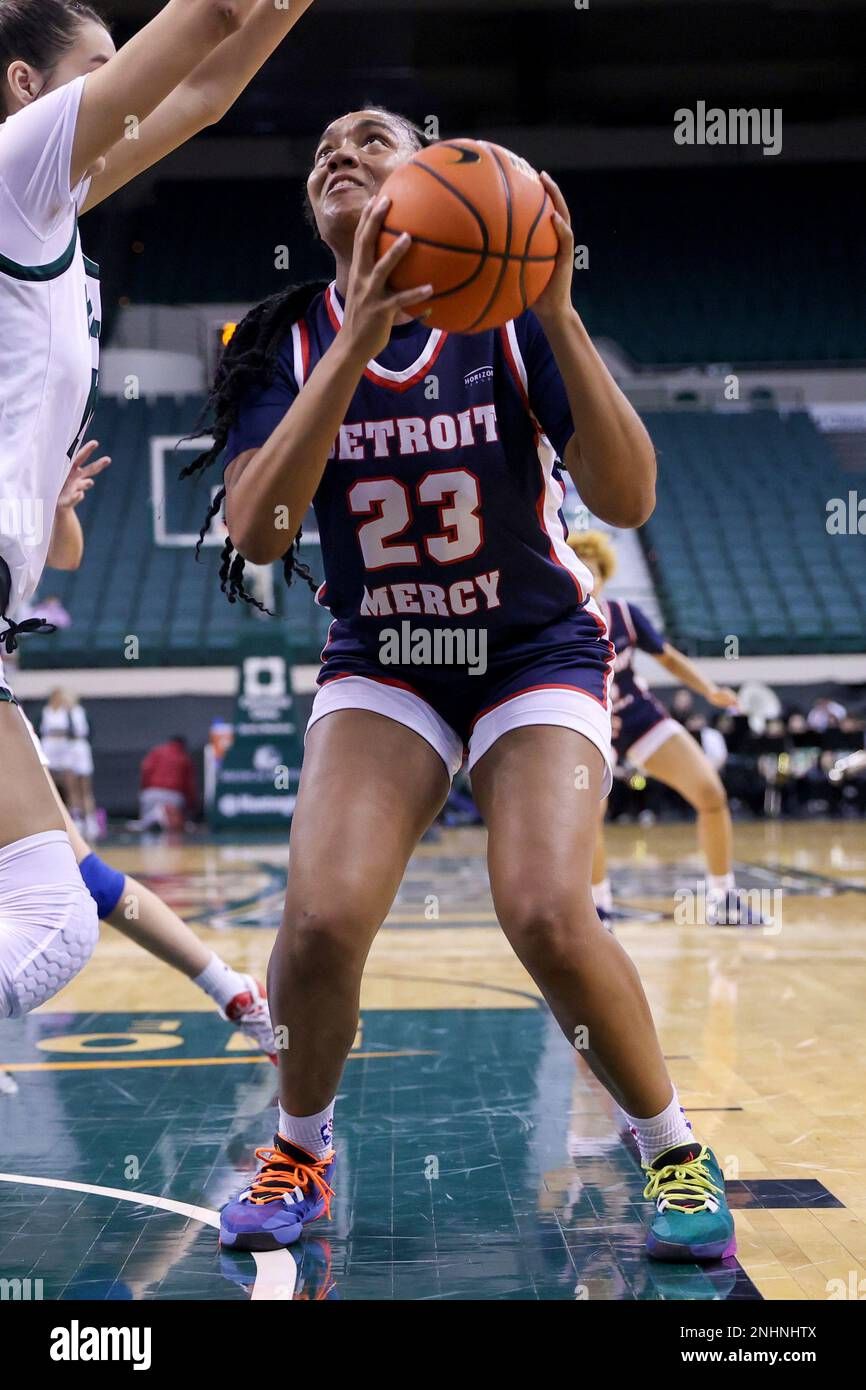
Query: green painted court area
point(477, 1159)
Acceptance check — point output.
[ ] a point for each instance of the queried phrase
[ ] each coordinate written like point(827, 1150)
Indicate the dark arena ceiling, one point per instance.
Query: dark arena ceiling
point(617, 63)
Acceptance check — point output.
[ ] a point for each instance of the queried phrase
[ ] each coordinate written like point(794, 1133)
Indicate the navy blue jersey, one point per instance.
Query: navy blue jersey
point(630, 630)
point(441, 499)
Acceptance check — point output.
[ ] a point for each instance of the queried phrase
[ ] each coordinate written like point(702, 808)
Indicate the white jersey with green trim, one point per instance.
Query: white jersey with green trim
point(50, 315)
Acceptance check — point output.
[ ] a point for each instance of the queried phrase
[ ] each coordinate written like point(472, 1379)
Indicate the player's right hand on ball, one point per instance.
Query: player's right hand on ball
point(371, 307)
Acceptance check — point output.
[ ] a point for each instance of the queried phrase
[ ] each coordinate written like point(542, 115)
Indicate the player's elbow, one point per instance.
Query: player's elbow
point(246, 542)
point(65, 560)
point(231, 13)
point(638, 509)
point(253, 542)
point(205, 105)
point(636, 502)
point(257, 554)
point(226, 15)
point(629, 509)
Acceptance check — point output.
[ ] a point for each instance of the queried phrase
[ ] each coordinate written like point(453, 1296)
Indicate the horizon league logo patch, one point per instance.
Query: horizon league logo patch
point(480, 374)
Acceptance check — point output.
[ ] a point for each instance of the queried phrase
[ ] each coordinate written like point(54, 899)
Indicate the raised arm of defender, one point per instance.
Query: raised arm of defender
point(209, 87)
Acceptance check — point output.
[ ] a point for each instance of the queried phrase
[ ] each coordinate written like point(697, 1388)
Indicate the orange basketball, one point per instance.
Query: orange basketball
point(482, 235)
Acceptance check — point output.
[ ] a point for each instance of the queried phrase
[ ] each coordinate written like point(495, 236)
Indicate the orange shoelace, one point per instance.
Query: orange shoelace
point(281, 1173)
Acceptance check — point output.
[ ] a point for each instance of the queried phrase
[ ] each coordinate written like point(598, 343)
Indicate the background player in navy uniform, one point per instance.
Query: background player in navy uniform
point(431, 462)
point(645, 736)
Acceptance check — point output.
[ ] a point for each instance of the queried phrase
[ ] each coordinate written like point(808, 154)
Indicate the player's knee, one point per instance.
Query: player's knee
point(48, 921)
point(710, 795)
point(104, 884)
point(327, 936)
point(543, 927)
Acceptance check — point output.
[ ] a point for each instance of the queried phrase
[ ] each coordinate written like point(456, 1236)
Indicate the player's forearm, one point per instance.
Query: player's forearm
point(686, 671)
point(610, 456)
point(146, 70)
point(266, 499)
point(218, 82)
point(66, 550)
point(202, 99)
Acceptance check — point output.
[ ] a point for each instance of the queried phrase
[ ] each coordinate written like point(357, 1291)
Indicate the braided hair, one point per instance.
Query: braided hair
point(248, 362)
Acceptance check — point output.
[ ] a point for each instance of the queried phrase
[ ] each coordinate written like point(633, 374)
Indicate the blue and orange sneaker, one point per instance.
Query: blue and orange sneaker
point(291, 1189)
point(692, 1220)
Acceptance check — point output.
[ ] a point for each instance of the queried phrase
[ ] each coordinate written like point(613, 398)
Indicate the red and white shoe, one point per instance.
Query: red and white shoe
point(249, 1012)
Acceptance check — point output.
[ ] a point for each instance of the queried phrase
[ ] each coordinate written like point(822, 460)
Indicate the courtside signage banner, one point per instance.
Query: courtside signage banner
point(257, 778)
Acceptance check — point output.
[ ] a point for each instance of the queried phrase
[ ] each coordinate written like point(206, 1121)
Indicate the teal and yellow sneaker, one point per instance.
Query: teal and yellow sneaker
point(692, 1220)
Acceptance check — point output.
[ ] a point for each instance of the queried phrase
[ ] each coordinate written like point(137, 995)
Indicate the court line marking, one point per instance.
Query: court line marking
point(804, 876)
point(276, 1277)
point(535, 1000)
point(112, 1064)
point(276, 1271)
point(144, 1199)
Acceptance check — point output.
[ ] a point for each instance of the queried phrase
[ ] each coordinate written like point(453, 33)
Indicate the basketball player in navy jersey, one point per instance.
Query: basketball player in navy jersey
point(646, 736)
point(432, 464)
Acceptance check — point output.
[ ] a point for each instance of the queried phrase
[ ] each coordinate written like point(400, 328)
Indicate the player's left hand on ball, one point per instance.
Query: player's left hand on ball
point(556, 299)
point(724, 698)
point(82, 474)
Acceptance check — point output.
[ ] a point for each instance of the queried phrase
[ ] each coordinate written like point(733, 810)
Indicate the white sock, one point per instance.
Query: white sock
point(220, 982)
point(315, 1133)
point(602, 895)
point(718, 885)
point(661, 1131)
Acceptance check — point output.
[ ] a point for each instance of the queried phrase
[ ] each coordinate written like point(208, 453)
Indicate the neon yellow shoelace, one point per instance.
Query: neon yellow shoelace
point(691, 1185)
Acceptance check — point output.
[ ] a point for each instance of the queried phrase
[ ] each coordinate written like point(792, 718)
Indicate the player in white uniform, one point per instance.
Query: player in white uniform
point(121, 900)
point(78, 120)
point(55, 734)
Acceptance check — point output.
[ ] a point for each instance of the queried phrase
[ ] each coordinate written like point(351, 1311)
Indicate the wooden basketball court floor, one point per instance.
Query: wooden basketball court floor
point(478, 1158)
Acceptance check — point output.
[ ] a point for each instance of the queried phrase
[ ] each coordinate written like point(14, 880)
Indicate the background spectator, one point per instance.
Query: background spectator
point(825, 714)
point(168, 786)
